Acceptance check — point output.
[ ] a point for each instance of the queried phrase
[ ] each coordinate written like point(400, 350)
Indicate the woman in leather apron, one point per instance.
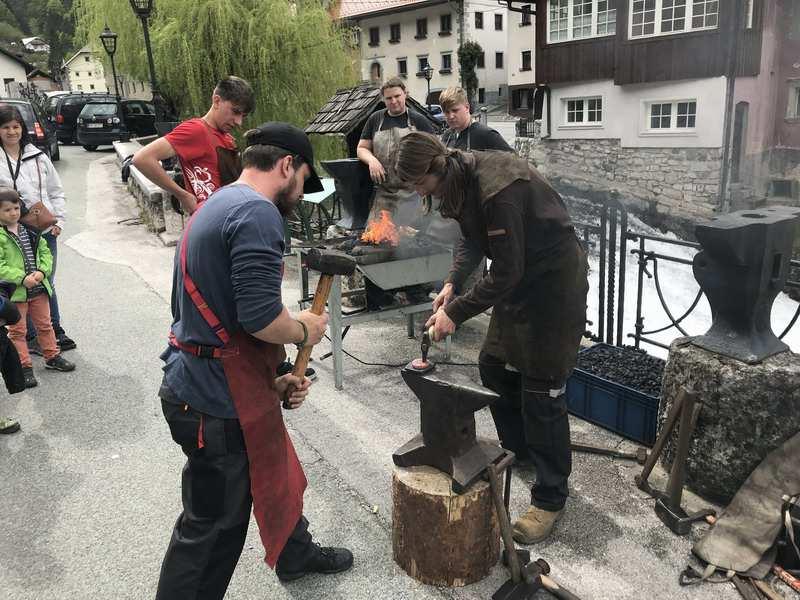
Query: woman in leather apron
point(536, 288)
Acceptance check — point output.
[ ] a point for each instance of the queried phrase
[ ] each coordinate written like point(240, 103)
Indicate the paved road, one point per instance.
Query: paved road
point(90, 487)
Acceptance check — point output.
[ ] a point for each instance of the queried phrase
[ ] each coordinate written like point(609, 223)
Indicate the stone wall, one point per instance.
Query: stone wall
point(667, 186)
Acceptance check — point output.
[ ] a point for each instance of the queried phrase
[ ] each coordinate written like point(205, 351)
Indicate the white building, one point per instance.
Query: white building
point(521, 59)
point(35, 44)
point(84, 72)
point(12, 70)
point(402, 37)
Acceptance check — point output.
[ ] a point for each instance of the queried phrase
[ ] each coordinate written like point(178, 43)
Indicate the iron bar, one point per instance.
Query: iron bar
point(642, 264)
point(663, 302)
point(654, 255)
point(623, 254)
point(791, 323)
point(686, 314)
point(674, 242)
point(601, 282)
point(612, 271)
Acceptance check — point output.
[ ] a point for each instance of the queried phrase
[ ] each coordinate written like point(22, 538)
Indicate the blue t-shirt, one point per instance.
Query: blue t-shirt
point(235, 257)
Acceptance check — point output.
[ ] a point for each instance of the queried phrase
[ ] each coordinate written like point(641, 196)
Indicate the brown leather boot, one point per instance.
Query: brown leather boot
point(535, 525)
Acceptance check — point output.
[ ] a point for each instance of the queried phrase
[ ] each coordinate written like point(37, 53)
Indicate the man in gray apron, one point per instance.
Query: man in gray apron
point(378, 148)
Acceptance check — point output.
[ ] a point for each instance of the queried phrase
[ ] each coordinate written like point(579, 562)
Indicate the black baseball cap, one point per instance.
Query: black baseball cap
point(291, 138)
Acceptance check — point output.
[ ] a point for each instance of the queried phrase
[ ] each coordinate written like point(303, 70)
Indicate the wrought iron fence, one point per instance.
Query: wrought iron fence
point(526, 128)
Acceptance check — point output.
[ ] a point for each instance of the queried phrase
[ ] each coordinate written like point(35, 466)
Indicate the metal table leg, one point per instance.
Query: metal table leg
point(410, 325)
point(335, 323)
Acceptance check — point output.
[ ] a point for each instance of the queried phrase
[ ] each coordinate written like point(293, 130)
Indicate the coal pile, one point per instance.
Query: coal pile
point(628, 366)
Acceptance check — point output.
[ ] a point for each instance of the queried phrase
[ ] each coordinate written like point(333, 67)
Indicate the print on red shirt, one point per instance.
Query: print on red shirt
point(195, 142)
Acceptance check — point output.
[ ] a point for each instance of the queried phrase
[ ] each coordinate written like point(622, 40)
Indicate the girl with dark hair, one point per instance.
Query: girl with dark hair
point(28, 170)
point(536, 287)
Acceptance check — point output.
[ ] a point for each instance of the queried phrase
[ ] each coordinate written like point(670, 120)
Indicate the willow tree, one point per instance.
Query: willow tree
point(293, 53)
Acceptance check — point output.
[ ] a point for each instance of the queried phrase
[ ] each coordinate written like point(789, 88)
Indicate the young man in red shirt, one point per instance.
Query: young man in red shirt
point(204, 146)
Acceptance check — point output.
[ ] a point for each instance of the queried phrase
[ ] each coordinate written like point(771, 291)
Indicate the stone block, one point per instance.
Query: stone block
point(748, 411)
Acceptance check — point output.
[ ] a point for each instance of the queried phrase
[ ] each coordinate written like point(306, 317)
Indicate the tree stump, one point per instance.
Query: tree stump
point(439, 537)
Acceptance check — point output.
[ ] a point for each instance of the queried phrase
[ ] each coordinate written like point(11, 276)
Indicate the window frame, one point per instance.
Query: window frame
point(392, 28)
point(480, 62)
point(442, 30)
point(688, 18)
point(673, 129)
point(593, 25)
point(526, 14)
point(444, 70)
point(422, 32)
point(420, 66)
point(376, 41)
point(522, 60)
point(402, 72)
point(501, 56)
point(793, 102)
point(478, 20)
point(498, 21)
point(585, 110)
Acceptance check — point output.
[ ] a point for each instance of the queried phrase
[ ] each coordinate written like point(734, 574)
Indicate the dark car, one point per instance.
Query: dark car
point(102, 122)
point(436, 112)
point(41, 132)
point(66, 111)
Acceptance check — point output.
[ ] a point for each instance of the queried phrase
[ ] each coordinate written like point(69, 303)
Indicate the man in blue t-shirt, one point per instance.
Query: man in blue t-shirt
point(220, 394)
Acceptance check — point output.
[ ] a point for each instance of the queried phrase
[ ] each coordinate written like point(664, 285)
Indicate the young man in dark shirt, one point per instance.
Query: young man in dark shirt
point(536, 288)
point(463, 133)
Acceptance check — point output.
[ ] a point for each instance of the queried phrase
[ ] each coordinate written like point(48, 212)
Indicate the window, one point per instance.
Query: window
point(672, 116)
point(394, 33)
point(498, 22)
point(402, 67)
point(584, 111)
point(77, 73)
point(86, 59)
point(500, 92)
point(90, 73)
point(423, 64)
point(422, 29)
point(498, 60)
point(80, 88)
point(522, 99)
point(526, 60)
point(481, 96)
point(793, 107)
point(481, 61)
point(748, 14)
point(445, 25)
point(91, 86)
point(525, 17)
point(661, 17)
point(580, 19)
point(447, 63)
point(374, 36)
point(478, 20)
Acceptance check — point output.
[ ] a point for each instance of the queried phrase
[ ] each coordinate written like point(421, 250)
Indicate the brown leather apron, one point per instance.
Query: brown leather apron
point(277, 480)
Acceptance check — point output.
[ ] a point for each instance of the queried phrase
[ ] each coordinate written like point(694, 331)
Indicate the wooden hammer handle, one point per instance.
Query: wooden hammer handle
point(559, 592)
point(317, 307)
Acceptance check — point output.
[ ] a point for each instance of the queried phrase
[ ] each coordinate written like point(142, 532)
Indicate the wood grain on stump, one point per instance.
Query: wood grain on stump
point(439, 537)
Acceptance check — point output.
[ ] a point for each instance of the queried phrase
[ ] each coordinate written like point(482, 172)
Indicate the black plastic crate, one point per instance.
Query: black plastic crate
point(616, 407)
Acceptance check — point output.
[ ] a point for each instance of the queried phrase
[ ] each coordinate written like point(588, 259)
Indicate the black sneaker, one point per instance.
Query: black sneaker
point(286, 367)
point(30, 380)
point(9, 425)
point(59, 363)
point(327, 561)
point(34, 347)
point(65, 342)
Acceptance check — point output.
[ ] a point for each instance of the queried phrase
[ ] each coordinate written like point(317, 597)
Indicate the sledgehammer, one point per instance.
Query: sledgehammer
point(329, 264)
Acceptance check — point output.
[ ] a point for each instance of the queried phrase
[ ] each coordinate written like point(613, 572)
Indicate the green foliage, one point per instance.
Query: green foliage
point(468, 54)
point(294, 55)
point(9, 33)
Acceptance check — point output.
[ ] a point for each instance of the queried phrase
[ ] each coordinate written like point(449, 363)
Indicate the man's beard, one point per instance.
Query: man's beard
point(283, 200)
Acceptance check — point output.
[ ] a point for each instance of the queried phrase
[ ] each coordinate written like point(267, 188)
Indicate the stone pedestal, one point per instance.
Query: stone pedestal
point(748, 411)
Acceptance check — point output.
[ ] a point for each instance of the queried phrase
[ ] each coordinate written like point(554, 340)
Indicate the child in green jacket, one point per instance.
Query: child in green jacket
point(26, 260)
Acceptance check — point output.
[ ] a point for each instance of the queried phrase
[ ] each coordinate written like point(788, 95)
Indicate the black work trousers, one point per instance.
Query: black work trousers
point(532, 421)
point(209, 534)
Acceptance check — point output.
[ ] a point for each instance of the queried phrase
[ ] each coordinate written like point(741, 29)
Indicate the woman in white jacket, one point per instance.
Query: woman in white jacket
point(28, 170)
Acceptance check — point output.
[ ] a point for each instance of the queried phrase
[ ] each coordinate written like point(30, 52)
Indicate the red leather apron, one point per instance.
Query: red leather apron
point(277, 480)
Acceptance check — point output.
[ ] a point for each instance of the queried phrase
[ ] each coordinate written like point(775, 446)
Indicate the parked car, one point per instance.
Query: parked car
point(41, 131)
point(66, 110)
point(102, 122)
point(436, 112)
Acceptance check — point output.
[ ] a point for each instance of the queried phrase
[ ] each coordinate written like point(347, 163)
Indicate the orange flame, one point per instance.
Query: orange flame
point(381, 231)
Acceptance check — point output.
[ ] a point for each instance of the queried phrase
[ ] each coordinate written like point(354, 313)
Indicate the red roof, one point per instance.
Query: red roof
point(346, 9)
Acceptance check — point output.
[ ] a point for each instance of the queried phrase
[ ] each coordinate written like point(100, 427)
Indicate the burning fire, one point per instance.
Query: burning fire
point(382, 231)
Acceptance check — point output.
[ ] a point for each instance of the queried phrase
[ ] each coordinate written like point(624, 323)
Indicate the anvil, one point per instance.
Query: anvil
point(447, 421)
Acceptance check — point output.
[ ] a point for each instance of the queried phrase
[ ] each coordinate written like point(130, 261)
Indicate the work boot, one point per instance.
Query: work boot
point(34, 347)
point(59, 363)
point(30, 380)
point(535, 525)
point(326, 560)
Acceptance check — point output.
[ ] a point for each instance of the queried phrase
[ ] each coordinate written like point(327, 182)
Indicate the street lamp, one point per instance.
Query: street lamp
point(109, 39)
point(142, 9)
point(427, 72)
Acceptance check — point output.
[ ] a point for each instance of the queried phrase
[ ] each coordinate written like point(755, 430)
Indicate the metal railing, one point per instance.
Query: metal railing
point(526, 128)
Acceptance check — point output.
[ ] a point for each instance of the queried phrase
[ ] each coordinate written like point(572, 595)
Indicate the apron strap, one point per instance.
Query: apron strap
point(197, 298)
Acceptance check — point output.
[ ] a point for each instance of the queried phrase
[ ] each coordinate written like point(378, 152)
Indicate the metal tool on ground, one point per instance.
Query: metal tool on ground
point(447, 421)
point(526, 577)
point(766, 590)
point(640, 456)
point(329, 264)
point(787, 578)
point(668, 504)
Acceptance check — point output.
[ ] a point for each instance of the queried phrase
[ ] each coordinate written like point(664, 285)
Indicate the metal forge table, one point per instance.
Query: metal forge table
point(386, 274)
